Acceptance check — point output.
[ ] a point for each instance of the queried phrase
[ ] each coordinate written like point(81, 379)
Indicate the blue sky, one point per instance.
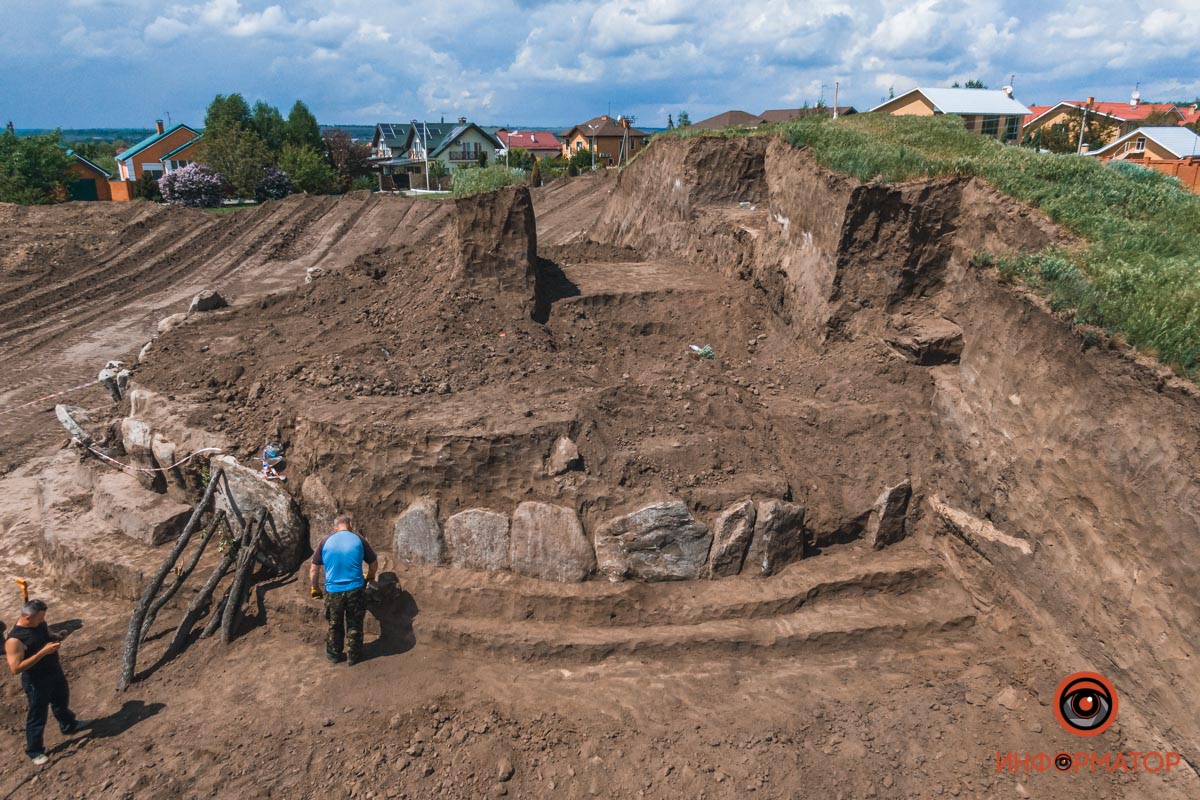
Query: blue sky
point(117, 63)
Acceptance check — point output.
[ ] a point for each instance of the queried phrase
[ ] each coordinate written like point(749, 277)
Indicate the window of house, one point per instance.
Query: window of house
point(1140, 143)
point(1012, 129)
point(578, 144)
point(991, 126)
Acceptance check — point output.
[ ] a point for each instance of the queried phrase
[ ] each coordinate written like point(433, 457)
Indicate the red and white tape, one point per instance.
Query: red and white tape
point(49, 397)
point(151, 470)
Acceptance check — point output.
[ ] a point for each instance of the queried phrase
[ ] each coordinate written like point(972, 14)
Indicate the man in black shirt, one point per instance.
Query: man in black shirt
point(32, 652)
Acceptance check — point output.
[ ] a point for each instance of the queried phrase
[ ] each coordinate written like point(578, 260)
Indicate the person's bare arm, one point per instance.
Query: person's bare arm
point(14, 651)
point(371, 567)
point(314, 575)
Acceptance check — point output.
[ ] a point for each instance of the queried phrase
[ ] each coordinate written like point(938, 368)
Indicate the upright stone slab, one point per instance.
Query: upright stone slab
point(477, 539)
point(661, 542)
point(886, 524)
point(138, 440)
point(418, 536)
point(732, 532)
point(286, 539)
point(779, 537)
point(548, 542)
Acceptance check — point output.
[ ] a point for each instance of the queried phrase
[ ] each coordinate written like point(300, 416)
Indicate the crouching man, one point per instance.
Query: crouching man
point(32, 652)
point(343, 554)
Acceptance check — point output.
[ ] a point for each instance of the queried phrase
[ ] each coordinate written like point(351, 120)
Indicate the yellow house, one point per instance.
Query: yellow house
point(988, 112)
point(608, 139)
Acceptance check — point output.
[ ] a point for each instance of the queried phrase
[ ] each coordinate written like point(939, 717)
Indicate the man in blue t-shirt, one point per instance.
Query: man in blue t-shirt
point(343, 554)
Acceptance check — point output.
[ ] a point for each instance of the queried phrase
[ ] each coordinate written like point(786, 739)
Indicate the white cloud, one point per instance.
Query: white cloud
point(163, 30)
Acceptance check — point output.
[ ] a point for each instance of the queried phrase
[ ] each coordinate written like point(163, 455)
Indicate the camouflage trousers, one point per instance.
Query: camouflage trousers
point(345, 612)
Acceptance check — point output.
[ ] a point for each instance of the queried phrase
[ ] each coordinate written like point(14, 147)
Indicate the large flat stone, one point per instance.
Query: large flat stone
point(286, 541)
point(147, 517)
point(661, 542)
point(886, 524)
point(418, 537)
point(732, 532)
point(138, 440)
point(477, 539)
point(779, 537)
point(548, 542)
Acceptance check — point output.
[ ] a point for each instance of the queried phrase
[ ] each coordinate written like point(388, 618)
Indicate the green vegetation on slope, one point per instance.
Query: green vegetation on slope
point(474, 180)
point(1139, 273)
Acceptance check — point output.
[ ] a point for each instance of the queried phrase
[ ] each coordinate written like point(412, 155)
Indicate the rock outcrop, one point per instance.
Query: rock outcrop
point(661, 542)
point(286, 539)
point(477, 539)
point(886, 525)
point(548, 542)
point(564, 457)
point(418, 537)
point(779, 537)
point(732, 532)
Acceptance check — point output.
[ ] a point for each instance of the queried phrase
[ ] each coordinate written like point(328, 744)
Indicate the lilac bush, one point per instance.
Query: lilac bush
point(274, 185)
point(195, 185)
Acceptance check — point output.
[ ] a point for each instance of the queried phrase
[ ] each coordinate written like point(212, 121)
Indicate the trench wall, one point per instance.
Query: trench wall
point(1088, 455)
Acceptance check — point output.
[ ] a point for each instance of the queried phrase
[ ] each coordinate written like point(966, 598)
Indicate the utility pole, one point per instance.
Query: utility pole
point(835, 98)
point(1082, 128)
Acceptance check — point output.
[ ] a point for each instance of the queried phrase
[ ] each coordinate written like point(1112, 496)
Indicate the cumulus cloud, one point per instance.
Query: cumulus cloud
point(564, 60)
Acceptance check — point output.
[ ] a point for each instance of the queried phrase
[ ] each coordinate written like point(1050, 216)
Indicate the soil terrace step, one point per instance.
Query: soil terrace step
point(879, 620)
point(845, 572)
point(605, 280)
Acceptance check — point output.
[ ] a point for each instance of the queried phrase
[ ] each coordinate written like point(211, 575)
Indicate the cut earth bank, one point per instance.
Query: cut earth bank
point(860, 358)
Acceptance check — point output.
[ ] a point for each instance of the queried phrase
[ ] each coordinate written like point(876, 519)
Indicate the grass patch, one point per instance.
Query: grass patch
point(230, 209)
point(476, 180)
point(1138, 274)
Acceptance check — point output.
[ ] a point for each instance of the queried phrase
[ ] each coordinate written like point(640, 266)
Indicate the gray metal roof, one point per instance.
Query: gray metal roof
point(969, 101)
point(1180, 142)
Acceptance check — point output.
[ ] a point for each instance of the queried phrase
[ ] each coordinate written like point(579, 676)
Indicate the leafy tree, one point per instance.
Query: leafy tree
point(535, 174)
point(268, 123)
point(519, 158)
point(572, 170)
point(683, 119)
point(1063, 137)
point(302, 129)
point(581, 160)
point(147, 188)
point(670, 123)
point(227, 112)
point(196, 186)
point(891, 92)
point(350, 159)
point(309, 170)
point(33, 169)
point(240, 155)
point(1156, 119)
point(274, 185)
point(975, 83)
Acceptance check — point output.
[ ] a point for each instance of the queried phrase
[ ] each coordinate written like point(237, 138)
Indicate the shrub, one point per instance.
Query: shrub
point(364, 182)
point(274, 185)
point(196, 186)
point(485, 179)
point(482, 158)
point(535, 174)
point(147, 187)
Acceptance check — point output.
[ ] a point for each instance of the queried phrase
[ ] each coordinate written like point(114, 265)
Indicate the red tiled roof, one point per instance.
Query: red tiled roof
point(1035, 112)
point(530, 140)
point(1123, 111)
point(1191, 114)
point(602, 125)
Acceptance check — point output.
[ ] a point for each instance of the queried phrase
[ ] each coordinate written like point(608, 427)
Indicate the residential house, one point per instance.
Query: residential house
point(740, 119)
point(988, 112)
point(611, 141)
point(728, 119)
point(146, 155)
point(542, 144)
point(183, 155)
point(88, 180)
point(773, 115)
point(1123, 117)
point(456, 145)
point(1174, 150)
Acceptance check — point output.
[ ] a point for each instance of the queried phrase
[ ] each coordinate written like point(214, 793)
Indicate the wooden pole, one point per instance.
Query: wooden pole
point(166, 596)
point(134, 633)
point(233, 606)
point(204, 598)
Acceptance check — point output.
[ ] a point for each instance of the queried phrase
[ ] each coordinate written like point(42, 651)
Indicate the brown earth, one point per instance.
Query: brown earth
point(445, 349)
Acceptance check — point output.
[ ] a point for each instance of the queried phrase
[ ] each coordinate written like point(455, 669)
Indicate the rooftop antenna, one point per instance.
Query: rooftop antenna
point(1137, 94)
point(168, 113)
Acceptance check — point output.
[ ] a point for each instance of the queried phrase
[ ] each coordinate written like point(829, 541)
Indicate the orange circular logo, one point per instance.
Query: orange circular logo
point(1085, 704)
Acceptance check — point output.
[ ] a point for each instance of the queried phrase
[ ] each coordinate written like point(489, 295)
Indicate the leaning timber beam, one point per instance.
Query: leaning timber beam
point(133, 635)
